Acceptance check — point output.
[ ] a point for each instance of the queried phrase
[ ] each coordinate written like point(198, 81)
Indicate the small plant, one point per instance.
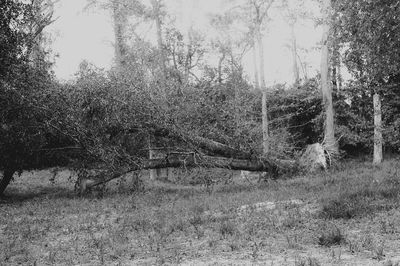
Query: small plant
point(368, 242)
point(233, 246)
point(255, 249)
point(196, 220)
point(293, 242)
point(309, 261)
point(379, 253)
point(227, 228)
point(387, 227)
point(391, 263)
point(331, 236)
point(354, 246)
point(212, 243)
point(345, 206)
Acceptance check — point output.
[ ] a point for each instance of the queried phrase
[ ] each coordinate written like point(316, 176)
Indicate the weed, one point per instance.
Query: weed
point(308, 261)
point(391, 263)
point(354, 246)
point(368, 242)
point(293, 242)
point(227, 228)
point(387, 226)
point(256, 246)
point(233, 245)
point(196, 220)
point(336, 254)
point(348, 205)
point(212, 243)
point(330, 236)
point(379, 253)
point(293, 219)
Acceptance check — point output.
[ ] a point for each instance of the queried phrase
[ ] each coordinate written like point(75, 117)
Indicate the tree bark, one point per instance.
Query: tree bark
point(7, 177)
point(265, 132)
point(120, 22)
point(329, 138)
point(273, 167)
point(220, 62)
point(256, 77)
point(215, 148)
point(163, 57)
point(378, 140)
point(296, 73)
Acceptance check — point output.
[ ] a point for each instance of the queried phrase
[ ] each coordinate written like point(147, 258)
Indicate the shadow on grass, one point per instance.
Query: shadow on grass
point(363, 191)
point(14, 195)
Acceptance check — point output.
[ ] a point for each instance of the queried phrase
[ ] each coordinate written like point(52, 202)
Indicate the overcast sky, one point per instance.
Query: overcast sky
point(88, 35)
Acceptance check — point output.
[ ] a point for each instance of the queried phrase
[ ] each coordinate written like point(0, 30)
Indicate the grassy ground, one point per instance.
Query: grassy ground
point(346, 216)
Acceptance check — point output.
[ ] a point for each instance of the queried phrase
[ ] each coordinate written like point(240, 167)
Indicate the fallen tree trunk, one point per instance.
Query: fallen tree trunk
point(262, 165)
point(176, 160)
point(208, 146)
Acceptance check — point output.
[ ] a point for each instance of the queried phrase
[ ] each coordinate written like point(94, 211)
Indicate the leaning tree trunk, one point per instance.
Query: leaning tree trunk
point(377, 129)
point(329, 138)
point(265, 132)
point(7, 177)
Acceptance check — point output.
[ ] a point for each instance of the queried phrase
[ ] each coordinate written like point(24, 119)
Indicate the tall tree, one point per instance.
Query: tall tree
point(41, 17)
point(158, 14)
point(293, 12)
point(255, 14)
point(369, 31)
point(255, 62)
point(260, 12)
point(21, 88)
point(122, 12)
point(329, 127)
point(120, 22)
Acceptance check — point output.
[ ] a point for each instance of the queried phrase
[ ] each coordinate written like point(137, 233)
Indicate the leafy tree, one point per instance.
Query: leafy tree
point(368, 31)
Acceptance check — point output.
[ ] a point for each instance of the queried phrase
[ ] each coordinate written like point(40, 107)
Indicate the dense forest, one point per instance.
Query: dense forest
point(166, 97)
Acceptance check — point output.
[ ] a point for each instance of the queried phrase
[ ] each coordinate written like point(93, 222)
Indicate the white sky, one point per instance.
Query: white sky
point(88, 35)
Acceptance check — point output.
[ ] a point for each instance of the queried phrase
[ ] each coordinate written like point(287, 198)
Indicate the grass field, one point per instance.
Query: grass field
point(346, 216)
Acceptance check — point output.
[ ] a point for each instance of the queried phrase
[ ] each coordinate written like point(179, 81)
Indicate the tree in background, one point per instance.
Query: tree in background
point(293, 12)
point(42, 16)
point(255, 14)
point(369, 31)
point(330, 143)
point(23, 89)
point(122, 12)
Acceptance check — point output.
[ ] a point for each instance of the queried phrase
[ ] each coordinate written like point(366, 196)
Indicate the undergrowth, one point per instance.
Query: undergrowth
point(176, 224)
point(361, 192)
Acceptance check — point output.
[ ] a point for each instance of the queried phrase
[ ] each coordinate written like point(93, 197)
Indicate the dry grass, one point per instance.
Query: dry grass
point(346, 218)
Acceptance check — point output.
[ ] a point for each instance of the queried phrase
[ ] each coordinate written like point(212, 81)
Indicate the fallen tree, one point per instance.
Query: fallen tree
point(191, 159)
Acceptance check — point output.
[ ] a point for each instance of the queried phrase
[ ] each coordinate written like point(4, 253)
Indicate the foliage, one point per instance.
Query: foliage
point(371, 49)
point(24, 91)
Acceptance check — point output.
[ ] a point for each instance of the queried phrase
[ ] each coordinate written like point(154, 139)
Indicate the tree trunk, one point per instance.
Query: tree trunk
point(7, 177)
point(163, 57)
point(296, 74)
point(378, 141)
point(120, 23)
point(329, 138)
point(221, 60)
point(256, 77)
point(273, 167)
point(265, 132)
point(188, 64)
